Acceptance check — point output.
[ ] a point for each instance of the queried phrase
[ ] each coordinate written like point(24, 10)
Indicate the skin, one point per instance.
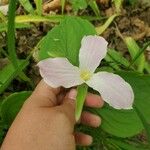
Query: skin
point(46, 121)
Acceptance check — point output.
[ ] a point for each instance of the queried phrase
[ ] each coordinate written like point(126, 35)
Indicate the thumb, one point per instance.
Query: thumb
point(68, 105)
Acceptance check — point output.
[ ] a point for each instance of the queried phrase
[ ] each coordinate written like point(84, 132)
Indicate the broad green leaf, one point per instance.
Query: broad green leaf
point(27, 6)
point(64, 40)
point(11, 106)
point(121, 123)
point(8, 73)
point(128, 146)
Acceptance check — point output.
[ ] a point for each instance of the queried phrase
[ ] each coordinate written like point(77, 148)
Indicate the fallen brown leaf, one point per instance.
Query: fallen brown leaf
point(51, 5)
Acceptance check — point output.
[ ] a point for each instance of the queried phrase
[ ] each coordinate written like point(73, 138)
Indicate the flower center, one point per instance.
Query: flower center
point(85, 75)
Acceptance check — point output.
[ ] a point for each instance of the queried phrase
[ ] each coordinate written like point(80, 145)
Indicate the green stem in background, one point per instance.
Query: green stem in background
point(100, 29)
point(118, 5)
point(38, 6)
point(11, 32)
point(63, 6)
point(94, 7)
point(81, 95)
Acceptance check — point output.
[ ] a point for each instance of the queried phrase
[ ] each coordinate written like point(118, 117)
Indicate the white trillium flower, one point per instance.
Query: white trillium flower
point(113, 89)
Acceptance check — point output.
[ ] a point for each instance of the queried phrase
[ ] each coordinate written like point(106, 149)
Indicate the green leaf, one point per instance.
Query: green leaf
point(27, 6)
point(8, 73)
point(11, 106)
point(121, 123)
point(102, 28)
point(116, 59)
point(127, 146)
point(94, 6)
point(36, 18)
point(64, 40)
point(3, 26)
point(134, 50)
point(81, 95)
point(38, 7)
point(78, 4)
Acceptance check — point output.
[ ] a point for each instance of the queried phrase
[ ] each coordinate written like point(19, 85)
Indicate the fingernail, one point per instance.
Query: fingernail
point(97, 121)
point(89, 140)
point(72, 94)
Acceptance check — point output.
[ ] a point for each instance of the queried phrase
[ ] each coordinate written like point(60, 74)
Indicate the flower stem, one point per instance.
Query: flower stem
point(81, 95)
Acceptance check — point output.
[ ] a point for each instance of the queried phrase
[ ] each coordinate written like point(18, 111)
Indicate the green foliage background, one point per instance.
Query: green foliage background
point(118, 126)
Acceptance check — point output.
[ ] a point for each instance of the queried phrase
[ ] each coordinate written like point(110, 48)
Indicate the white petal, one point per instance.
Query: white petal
point(4, 9)
point(93, 50)
point(113, 89)
point(59, 72)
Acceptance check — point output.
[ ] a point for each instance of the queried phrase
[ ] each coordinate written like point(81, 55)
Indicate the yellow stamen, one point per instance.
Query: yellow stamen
point(85, 75)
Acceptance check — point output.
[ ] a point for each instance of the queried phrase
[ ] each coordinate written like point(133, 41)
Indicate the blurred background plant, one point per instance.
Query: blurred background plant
point(126, 26)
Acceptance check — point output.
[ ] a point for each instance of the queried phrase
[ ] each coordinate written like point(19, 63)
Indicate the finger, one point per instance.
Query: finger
point(83, 139)
point(68, 105)
point(90, 119)
point(93, 100)
point(44, 95)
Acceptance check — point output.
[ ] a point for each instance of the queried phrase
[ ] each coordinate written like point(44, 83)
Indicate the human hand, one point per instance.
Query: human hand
point(46, 121)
